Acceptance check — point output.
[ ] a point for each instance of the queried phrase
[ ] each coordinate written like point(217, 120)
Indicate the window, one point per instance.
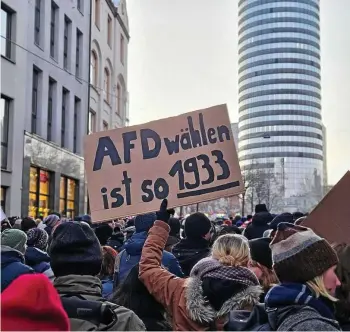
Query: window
point(6, 31)
point(3, 198)
point(75, 126)
point(97, 13)
point(68, 188)
point(107, 85)
point(35, 97)
point(92, 122)
point(52, 86)
point(77, 53)
point(119, 96)
point(93, 69)
point(39, 192)
point(67, 24)
point(122, 49)
point(54, 10)
point(80, 5)
point(4, 117)
point(105, 125)
point(37, 22)
point(65, 100)
point(109, 31)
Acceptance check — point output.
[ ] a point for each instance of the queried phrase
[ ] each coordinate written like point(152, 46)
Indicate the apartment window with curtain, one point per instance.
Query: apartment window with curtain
point(107, 85)
point(119, 97)
point(109, 31)
point(105, 125)
point(97, 13)
point(65, 100)
point(79, 42)
point(68, 197)
point(121, 48)
point(77, 104)
point(93, 69)
point(39, 192)
point(54, 15)
point(52, 87)
point(66, 44)
point(92, 122)
point(4, 118)
point(35, 98)
point(7, 17)
point(37, 25)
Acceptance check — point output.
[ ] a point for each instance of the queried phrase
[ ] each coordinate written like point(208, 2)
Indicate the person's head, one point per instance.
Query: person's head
point(260, 208)
point(5, 224)
point(31, 303)
point(261, 262)
point(300, 220)
point(231, 250)
point(297, 215)
point(198, 226)
point(175, 227)
point(37, 238)
point(27, 223)
point(249, 217)
point(57, 214)
point(108, 261)
point(229, 230)
point(103, 233)
point(52, 221)
point(75, 249)
point(283, 217)
point(144, 222)
point(227, 222)
point(301, 256)
point(15, 239)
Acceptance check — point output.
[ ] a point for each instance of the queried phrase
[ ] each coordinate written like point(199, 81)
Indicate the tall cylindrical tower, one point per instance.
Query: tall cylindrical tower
point(280, 125)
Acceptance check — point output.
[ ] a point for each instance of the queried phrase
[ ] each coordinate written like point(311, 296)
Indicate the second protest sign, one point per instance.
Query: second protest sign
point(187, 159)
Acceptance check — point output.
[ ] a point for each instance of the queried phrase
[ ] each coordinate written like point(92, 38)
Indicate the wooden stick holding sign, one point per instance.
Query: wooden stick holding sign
point(187, 159)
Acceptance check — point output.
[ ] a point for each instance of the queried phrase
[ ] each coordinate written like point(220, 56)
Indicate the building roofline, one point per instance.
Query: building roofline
point(114, 10)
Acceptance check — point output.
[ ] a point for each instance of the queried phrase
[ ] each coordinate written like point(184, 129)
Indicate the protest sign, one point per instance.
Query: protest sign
point(187, 159)
point(330, 218)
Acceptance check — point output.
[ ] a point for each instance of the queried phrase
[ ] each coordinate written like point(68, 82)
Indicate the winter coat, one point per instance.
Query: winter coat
point(258, 226)
point(39, 261)
point(182, 298)
point(116, 241)
point(189, 252)
point(12, 266)
point(172, 241)
point(107, 287)
point(131, 255)
point(90, 288)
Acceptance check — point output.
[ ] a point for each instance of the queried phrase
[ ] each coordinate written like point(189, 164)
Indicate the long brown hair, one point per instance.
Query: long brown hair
point(268, 277)
point(109, 255)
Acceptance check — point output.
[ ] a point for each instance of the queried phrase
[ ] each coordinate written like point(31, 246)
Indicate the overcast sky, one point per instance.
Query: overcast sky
point(183, 56)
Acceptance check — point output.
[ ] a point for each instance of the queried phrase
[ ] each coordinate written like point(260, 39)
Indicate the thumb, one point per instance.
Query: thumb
point(164, 205)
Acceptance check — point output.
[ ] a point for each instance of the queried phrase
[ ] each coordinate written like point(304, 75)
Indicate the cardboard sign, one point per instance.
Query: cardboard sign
point(187, 159)
point(330, 218)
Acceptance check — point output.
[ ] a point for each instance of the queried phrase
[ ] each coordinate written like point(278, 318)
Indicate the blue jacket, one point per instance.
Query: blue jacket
point(12, 266)
point(40, 261)
point(130, 255)
point(107, 287)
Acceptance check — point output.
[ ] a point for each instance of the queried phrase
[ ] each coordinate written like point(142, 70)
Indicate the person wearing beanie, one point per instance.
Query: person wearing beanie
point(261, 264)
point(103, 233)
point(51, 222)
point(36, 256)
point(27, 223)
point(260, 208)
point(13, 247)
point(259, 224)
point(283, 217)
point(130, 253)
point(305, 265)
point(31, 303)
point(216, 285)
point(76, 260)
point(196, 244)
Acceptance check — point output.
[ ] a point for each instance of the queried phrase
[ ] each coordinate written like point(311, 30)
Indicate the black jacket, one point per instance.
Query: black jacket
point(116, 241)
point(258, 225)
point(189, 251)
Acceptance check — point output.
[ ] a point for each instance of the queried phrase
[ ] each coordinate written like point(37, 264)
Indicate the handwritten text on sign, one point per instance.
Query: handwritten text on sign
point(187, 159)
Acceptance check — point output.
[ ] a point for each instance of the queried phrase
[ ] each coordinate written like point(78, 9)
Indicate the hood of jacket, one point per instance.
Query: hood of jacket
point(88, 286)
point(10, 255)
point(262, 219)
point(34, 256)
point(191, 250)
point(202, 312)
point(135, 244)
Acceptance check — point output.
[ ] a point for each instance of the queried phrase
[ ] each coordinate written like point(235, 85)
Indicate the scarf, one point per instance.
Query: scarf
point(287, 294)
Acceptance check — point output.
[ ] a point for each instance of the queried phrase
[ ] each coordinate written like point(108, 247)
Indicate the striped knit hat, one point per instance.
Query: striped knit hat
point(299, 255)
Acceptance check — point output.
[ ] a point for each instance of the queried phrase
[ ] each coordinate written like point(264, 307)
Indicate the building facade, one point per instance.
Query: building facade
point(280, 124)
point(44, 105)
point(108, 65)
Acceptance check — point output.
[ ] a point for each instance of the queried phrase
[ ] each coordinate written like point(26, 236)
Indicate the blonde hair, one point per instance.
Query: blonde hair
point(268, 277)
point(318, 288)
point(231, 250)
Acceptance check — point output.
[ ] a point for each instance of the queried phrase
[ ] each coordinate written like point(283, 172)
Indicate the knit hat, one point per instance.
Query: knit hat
point(14, 238)
point(300, 255)
point(37, 238)
point(31, 303)
point(51, 220)
point(144, 222)
point(75, 249)
point(283, 217)
point(197, 225)
point(260, 208)
point(103, 233)
point(261, 252)
point(27, 223)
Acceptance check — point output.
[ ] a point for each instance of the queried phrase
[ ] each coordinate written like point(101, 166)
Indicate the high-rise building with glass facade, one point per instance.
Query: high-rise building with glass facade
point(280, 125)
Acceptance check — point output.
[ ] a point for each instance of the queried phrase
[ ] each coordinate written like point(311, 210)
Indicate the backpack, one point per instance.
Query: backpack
point(86, 315)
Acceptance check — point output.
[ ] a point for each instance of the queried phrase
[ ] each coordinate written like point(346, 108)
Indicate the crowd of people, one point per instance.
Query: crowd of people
point(156, 272)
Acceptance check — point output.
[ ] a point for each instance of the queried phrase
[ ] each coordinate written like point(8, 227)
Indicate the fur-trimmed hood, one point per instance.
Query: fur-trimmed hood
point(200, 310)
